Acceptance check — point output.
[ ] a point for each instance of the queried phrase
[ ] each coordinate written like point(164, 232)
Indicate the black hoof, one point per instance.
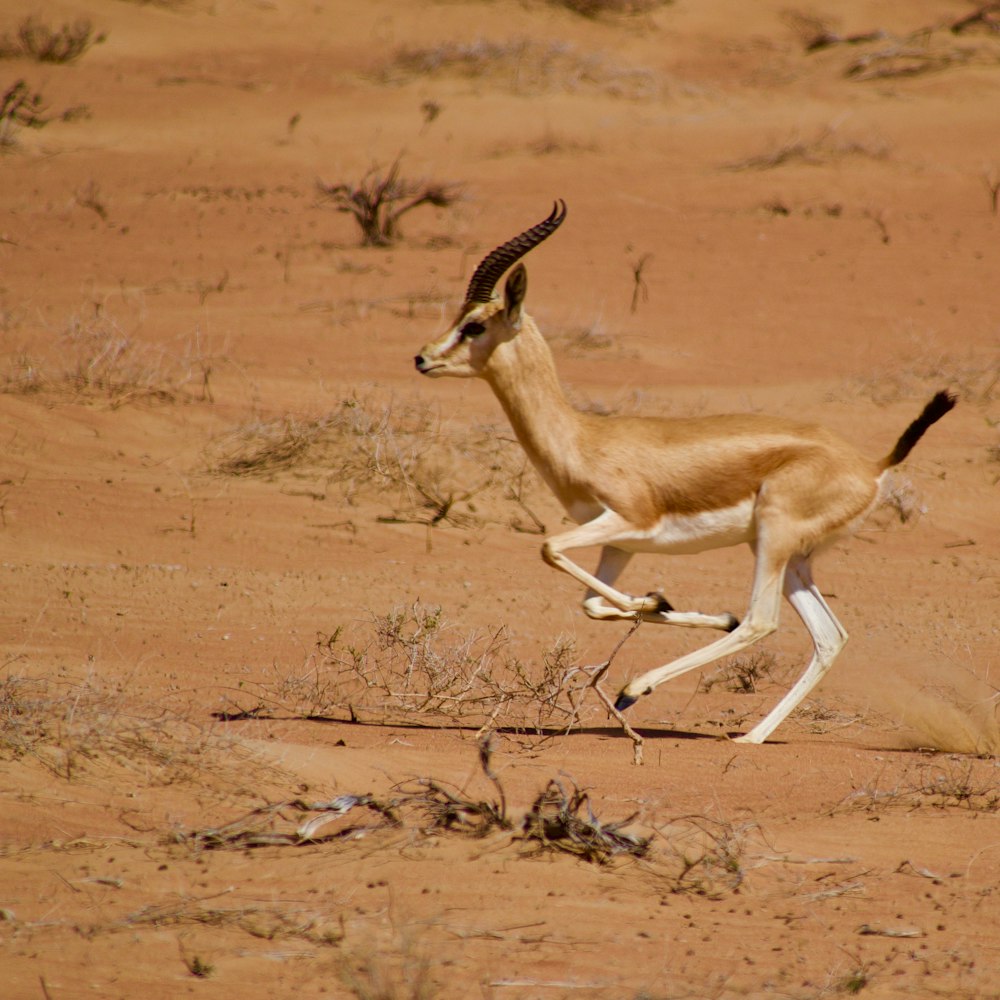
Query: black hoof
point(734, 623)
point(662, 604)
point(625, 701)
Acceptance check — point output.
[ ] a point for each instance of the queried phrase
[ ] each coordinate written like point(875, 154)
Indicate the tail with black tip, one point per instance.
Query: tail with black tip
point(941, 403)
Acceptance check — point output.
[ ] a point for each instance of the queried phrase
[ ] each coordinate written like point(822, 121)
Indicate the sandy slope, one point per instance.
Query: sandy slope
point(819, 245)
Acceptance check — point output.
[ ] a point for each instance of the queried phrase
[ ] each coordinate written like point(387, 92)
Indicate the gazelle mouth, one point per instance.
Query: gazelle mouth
point(424, 366)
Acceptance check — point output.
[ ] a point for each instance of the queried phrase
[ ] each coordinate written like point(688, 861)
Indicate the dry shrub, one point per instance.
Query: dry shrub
point(702, 855)
point(816, 33)
point(965, 784)
point(380, 199)
point(447, 809)
point(525, 66)
point(818, 717)
point(38, 41)
point(411, 665)
point(20, 107)
point(555, 822)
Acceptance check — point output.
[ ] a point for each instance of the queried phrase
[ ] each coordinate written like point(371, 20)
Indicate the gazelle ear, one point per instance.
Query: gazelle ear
point(513, 295)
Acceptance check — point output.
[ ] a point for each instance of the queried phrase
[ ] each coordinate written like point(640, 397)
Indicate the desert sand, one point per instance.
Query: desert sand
point(242, 536)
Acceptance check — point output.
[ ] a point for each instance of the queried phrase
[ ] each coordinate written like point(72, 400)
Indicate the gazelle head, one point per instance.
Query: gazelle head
point(485, 319)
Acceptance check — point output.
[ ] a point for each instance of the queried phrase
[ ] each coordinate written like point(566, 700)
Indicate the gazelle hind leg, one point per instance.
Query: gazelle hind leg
point(761, 621)
point(828, 638)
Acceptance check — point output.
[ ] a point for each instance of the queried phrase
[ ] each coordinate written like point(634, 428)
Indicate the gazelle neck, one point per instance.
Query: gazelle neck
point(522, 374)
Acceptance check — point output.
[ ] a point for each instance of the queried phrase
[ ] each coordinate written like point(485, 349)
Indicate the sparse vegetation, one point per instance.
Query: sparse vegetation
point(704, 856)
point(411, 664)
point(816, 33)
point(36, 40)
point(554, 822)
point(381, 198)
point(293, 824)
point(953, 783)
point(957, 783)
point(20, 108)
point(927, 49)
point(399, 969)
point(604, 8)
point(742, 674)
point(976, 380)
point(986, 17)
point(991, 179)
point(198, 967)
point(826, 146)
point(897, 60)
point(74, 726)
point(708, 855)
point(525, 66)
point(93, 358)
point(367, 446)
point(640, 290)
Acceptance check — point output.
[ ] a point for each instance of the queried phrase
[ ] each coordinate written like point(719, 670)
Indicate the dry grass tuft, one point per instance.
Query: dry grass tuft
point(398, 453)
point(976, 380)
point(95, 360)
point(525, 66)
point(825, 147)
point(72, 728)
point(397, 968)
point(263, 447)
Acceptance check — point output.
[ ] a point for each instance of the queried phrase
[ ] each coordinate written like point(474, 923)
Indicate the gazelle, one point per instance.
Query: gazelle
point(670, 485)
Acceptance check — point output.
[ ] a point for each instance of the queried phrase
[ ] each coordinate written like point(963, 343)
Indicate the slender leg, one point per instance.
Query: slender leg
point(761, 621)
point(828, 638)
point(603, 601)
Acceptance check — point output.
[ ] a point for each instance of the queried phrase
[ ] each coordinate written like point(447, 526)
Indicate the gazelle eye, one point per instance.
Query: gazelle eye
point(472, 329)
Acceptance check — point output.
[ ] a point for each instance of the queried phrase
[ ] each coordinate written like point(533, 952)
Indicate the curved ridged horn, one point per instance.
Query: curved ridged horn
point(496, 263)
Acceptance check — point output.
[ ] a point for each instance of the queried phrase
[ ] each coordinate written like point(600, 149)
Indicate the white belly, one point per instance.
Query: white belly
point(680, 534)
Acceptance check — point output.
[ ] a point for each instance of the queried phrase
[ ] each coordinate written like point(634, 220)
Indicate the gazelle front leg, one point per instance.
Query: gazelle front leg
point(603, 601)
